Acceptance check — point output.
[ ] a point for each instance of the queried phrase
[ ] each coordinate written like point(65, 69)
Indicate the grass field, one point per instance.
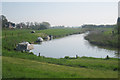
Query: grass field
point(24, 68)
point(17, 64)
point(25, 65)
point(86, 62)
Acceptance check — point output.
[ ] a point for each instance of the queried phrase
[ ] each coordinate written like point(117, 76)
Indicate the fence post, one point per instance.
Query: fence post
point(39, 54)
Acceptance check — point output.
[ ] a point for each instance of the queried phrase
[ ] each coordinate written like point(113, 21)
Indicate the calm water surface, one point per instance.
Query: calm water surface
point(70, 46)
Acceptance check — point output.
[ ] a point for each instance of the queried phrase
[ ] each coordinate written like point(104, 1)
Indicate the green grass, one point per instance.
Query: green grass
point(103, 39)
point(23, 68)
point(13, 37)
point(85, 62)
point(24, 65)
point(62, 32)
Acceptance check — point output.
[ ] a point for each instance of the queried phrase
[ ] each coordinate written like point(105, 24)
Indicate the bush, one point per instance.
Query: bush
point(31, 53)
point(66, 57)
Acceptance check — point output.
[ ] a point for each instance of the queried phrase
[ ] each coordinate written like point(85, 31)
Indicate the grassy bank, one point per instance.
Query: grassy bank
point(13, 37)
point(25, 65)
point(85, 62)
point(24, 68)
point(103, 37)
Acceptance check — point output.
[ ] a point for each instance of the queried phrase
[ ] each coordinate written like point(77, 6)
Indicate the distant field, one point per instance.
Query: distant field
point(62, 32)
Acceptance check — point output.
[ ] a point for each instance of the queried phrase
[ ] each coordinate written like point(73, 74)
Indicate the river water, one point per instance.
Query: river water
point(70, 46)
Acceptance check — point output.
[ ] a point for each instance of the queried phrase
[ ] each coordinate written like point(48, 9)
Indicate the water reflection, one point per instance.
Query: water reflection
point(70, 46)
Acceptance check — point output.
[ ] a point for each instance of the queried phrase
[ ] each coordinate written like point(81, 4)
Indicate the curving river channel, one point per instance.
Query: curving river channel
point(70, 46)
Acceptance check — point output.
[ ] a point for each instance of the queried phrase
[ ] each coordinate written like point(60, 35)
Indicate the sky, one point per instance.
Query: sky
point(119, 8)
point(62, 13)
point(59, 0)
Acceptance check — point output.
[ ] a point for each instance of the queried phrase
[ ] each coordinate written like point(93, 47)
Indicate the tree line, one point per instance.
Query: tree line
point(24, 25)
point(98, 26)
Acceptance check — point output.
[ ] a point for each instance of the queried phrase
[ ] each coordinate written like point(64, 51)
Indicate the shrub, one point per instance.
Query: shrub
point(66, 57)
point(31, 53)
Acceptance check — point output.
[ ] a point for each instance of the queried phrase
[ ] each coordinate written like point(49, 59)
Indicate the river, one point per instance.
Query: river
point(71, 46)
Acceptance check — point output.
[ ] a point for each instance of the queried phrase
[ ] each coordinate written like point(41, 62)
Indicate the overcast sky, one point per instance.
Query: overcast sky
point(119, 9)
point(62, 13)
point(59, 0)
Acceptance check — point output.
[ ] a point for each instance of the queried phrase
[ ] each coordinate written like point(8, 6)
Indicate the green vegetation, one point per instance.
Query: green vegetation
point(24, 68)
point(85, 62)
point(17, 64)
point(63, 32)
point(28, 25)
point(104, 37)
point(13, 37)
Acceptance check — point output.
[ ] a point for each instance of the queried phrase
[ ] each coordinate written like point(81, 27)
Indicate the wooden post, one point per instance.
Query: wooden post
point(39, 54)
point(107, 57)
point(76, 56)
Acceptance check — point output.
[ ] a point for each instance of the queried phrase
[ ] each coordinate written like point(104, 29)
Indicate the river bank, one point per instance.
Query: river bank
point(14, 63)
point(25, 68)
point(15, 36)
point(103, 38)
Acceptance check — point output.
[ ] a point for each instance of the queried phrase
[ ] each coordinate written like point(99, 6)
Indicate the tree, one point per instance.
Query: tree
point(17, 25)
point(28, 24)
point(21, 25)
point(4, 21)
point(44, 25)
